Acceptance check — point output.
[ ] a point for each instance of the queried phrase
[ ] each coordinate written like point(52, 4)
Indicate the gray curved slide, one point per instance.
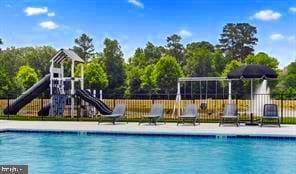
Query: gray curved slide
point(28, 96)
point(98, 104)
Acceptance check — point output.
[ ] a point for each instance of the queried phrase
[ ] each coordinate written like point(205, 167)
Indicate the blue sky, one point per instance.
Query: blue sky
point(134, 22)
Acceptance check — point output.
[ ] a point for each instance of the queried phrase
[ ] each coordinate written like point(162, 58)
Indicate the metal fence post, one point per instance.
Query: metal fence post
point(77, 111)
point(42, 106)
point(282, 108)
point(114, 102)
point(8, 106)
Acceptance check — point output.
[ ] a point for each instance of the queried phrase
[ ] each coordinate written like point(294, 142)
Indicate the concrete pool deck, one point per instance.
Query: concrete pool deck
point(203, 129)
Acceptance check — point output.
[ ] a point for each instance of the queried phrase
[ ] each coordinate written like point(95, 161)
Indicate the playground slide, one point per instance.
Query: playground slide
point(98, 104)
point(28, 96)
point(106, 107)
point(104, 104)
point(45, 110)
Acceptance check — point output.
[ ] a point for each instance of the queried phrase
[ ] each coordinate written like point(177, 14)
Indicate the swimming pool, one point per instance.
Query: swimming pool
point(83, 153)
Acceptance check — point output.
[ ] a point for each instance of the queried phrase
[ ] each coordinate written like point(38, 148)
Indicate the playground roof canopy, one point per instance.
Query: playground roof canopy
point(63, 54)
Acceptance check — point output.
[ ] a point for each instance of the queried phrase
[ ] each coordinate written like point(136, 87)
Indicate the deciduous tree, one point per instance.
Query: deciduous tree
point(148, 83)
point(166, 74)
point(26, 77)
point(153, 53)
point(95, 76)
point(114, 64)
point(200, 45)
point(139, 58)
point(198, 62)
point(289, 76)
point(263, 59)
point(38, 58)
point(5, 82)
point(133, 81)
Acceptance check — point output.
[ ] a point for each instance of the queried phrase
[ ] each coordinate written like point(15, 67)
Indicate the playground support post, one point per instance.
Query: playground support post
point(94, 109)
point(62, 88)
point(72, 88)
point(82, 81)
point(82, 77)
point(101, 94)
point(51, 80)
point(252, 98)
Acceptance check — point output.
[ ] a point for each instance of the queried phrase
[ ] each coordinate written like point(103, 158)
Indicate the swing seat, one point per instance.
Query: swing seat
point(204, 109)
point(203, 106)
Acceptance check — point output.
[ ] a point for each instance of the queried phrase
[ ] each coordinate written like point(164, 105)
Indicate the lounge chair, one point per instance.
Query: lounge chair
point(117, 113)
point(155, 114)
point(230, 113)
point(190, 114)
point(270, 112)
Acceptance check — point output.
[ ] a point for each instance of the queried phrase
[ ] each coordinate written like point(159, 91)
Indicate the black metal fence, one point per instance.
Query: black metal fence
point(210, 106)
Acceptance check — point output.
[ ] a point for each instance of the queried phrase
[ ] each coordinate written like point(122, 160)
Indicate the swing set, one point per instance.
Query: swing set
point(203, 101)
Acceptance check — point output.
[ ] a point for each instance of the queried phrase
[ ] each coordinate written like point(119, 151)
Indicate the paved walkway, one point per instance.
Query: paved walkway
point(133, 128)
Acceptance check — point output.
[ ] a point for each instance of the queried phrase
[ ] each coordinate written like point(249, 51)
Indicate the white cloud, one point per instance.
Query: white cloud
point(291, 38)
point(292, 9)
point(51, 14)
point(30, 11)
point(136, 3)
point(50, 25)
point(185, 33)
point(267, 15)
point(276, 36)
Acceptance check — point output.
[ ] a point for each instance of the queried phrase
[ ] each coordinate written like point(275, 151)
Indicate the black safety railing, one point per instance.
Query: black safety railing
point(210, 106)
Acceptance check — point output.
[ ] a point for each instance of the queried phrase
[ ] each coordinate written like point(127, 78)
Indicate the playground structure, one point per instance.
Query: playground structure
point(69, 98)
point(58, 81)
point(62, 88)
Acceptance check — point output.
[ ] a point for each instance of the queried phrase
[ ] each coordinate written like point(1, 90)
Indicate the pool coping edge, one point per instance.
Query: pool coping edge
point(155, 133)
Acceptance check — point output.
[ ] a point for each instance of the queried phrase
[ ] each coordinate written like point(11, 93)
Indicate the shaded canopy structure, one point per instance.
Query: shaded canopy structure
point(252, 72)
point(245, 72)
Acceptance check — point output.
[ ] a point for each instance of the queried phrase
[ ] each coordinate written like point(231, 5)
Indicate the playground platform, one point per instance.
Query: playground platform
point(205, 129)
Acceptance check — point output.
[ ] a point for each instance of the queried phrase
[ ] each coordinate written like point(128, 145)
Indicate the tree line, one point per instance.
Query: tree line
point(152, 69)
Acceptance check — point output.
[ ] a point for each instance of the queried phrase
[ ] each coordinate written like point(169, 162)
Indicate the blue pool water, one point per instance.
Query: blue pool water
point(74, 153)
